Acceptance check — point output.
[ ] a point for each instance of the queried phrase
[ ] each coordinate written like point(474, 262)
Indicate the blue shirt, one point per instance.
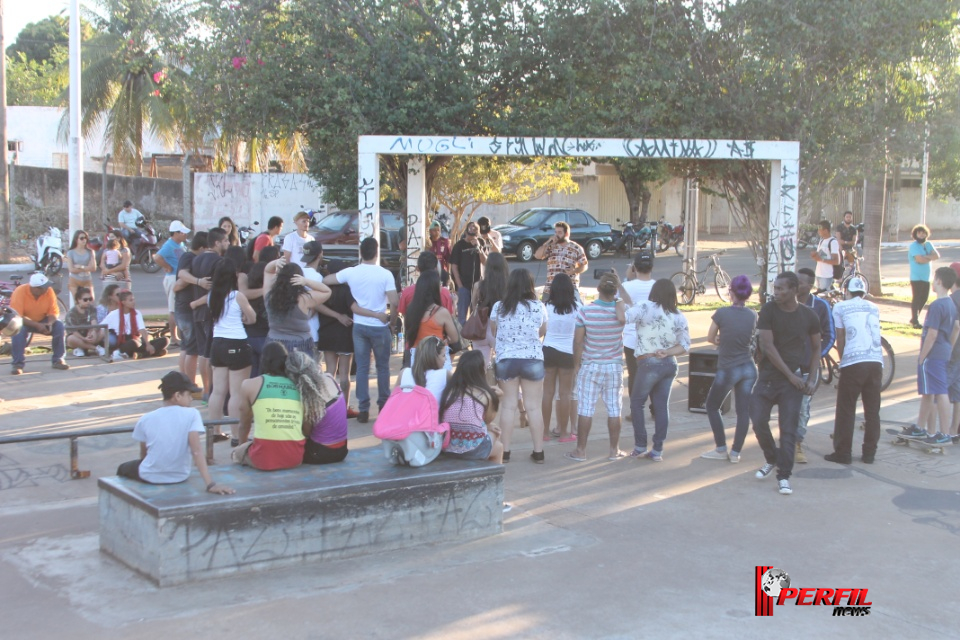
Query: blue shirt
point(919, 272)
point(171, 252)
point(828, 334)
point(941, 314)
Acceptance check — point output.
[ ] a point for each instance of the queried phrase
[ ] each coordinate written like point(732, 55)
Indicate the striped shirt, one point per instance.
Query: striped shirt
point(603, 341)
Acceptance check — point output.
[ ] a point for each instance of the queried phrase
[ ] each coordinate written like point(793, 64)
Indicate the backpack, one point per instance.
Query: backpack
point(409, 427)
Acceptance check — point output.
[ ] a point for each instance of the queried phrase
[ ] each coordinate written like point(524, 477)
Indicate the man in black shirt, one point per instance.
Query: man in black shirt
point(183, 296)
point(847, 235)
point(465, 267)
point(786, 329)
point(202, 270)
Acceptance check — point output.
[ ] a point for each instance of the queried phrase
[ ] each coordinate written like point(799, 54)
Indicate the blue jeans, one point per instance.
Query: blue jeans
point(741, 379)
point(463, 304)
point(257, 343)
point(18, 344)
point(654, 379)
point(367, 339)
point(769, 391)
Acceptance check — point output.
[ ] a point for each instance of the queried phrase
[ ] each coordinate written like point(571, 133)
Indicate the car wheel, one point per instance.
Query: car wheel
point(525, 251)
point(594, 249)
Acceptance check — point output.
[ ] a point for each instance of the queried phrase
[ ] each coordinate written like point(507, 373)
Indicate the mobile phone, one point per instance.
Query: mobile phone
point(598, 273)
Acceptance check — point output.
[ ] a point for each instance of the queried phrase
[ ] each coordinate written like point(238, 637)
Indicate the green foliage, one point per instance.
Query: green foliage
point(39, 41)
point(38, 84)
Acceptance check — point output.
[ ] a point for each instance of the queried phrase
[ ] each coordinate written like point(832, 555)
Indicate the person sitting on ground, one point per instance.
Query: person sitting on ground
point(169, 437)
point(270, 405)
point(428, 370)
point(109, 301)
point(469, 405)
point(37, 306)
point(129, 337)
point(84, 313)
point(324, 411)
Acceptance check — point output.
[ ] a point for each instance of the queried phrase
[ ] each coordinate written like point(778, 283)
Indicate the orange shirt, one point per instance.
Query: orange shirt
point(23, 302)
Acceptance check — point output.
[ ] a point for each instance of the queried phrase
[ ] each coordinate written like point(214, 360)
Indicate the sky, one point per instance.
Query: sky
point(19, 13)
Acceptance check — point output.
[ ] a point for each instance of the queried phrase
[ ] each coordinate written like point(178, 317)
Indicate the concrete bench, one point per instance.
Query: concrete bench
point(364, 505)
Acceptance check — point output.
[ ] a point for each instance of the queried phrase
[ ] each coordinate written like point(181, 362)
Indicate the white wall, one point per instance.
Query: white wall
point(249, 197)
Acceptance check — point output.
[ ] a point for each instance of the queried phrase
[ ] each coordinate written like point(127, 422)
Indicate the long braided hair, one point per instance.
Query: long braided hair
point(303, 371)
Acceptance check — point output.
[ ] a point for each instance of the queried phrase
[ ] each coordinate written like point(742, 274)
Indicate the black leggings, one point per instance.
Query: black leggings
point(316, 453)
point(921, 293)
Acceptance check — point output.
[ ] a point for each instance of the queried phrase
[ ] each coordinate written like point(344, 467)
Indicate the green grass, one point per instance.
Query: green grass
point(155, 317)
point(901, 328)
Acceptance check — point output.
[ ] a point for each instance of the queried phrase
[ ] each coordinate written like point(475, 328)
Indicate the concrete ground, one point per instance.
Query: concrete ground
point(594, 550)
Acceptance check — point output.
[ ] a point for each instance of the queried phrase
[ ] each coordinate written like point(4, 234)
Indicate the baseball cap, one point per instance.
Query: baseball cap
point(176, 381)
point(434, 225)
point(311, 250)
point(856, 284)
point(39, 280)
point(178, 227)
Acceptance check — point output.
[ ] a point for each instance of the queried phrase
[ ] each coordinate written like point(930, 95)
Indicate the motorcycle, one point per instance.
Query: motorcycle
point(669, 235)
point(625, 241)
point(809, 237)
point(144, 247)
point(246, 233)
point(49, 252)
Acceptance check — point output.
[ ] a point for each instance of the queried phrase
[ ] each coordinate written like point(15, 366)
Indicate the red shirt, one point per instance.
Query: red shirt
point(442, 248)
point(407, 295)
point(263, 241)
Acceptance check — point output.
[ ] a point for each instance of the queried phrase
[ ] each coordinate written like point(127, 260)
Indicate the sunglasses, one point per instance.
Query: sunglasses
point(86, 299)
point(82, 238)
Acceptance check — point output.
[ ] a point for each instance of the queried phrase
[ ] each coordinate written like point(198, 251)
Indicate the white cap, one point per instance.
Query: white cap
point(856, 284)
point(177, 226)
point(39, 280)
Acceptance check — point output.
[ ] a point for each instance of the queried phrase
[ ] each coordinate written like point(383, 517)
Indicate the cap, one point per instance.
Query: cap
point(434, 225)
point(301, 214)
point(176, 381)
point(178, 227)
point(856, 284)
point(311, 250)
point(39, 280)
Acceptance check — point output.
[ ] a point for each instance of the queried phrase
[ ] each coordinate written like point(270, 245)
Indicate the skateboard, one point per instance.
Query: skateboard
point(927, 447)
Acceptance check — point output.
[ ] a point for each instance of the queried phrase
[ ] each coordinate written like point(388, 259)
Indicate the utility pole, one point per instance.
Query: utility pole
point(75, 208)
point(4, 178)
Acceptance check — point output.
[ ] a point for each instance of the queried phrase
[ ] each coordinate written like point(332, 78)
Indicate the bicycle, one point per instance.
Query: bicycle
point(852, 270)
point(689, 284)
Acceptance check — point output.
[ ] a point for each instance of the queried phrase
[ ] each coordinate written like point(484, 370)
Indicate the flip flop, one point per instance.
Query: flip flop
point(620, 454)
point(554, 433)
point(568, 439)
point(570, 456)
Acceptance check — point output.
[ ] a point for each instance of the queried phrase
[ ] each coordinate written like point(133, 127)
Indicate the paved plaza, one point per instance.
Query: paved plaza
point(600, 549)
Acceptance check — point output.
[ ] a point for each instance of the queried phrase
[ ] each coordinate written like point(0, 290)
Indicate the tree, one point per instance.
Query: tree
point(467, 183)
point(38, 84)
point(39, 41)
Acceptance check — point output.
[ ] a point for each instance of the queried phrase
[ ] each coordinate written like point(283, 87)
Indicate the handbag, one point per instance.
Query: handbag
point(475, 327)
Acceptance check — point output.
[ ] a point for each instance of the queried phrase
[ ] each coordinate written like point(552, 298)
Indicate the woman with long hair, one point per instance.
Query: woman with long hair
point(732, 331)
point(519, 321)
point(251, 286)
point(120, 271)
point(469, 405)
point(324, 411)
point(558, 357)
point(291, 299)
point(81, 262)
point(662, 335)
point(231, 228)
point(336, 333)
point(230, 358)
point(109, 300)
point(84, 312)
point(428, 366)
point(486, 293)
point(426, 315)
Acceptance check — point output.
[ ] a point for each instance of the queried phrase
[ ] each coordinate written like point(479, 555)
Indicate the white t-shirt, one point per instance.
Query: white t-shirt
point(560, 329)
point(369, 284)
point(230, 324)
point(129, 218)
point(312, 274)
point(436, 382)
point(165, 432)
point(113, 323)
point(293, 243)
point(639, 291)
point(860, 320)
point(826, 248)
point(518, 335)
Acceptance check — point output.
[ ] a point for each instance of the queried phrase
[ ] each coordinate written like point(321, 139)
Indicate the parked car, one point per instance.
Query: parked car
point(527, 231)
point(339, 233)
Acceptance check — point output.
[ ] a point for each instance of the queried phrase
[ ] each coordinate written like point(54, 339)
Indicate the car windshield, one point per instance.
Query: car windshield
point(336, 221)
point(391, 220)
point(531, 217)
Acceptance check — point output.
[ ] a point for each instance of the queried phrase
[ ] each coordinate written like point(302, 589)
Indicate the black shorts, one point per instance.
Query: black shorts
point(557, 359)
point(232, 354)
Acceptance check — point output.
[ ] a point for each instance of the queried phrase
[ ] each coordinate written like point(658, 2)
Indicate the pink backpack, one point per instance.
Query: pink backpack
point(409, 427)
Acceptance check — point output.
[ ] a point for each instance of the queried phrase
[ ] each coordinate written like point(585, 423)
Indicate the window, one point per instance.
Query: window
point(577, 219)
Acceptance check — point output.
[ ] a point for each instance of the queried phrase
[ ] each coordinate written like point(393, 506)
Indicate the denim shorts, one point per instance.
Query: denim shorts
point(523, 368)
point(481, 452)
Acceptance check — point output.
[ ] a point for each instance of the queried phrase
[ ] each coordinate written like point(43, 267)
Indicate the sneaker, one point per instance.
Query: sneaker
point(15, 371)
point(800, 457)
point(836, 457)
point(60, 364)
point(656, 456)
point(713, 454)
point(785, 487)
point(537, 456)
point(101, 351)
point(79, 353)
point(764, 471)
point(937, 438)
point(867, 458)
point(734, 457)
point(507, 507)
point(117, 356)
point(363, 417)
point(913, 431)
point(638, 453)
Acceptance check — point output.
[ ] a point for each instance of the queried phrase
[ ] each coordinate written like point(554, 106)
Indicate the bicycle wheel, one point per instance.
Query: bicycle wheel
point(855, 274)
point(826, 370)
point(686, 287)
point(62, 316)
point(889, 364)
point(721, 281)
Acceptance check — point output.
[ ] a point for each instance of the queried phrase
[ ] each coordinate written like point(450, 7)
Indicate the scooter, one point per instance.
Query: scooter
point(246, 233)
point(670, 236)
point(144, 247)
point(49, 252)
point(809, 237)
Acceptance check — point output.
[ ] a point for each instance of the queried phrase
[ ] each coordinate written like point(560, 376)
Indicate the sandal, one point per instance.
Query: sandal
point(554, 433)
point(570, 438)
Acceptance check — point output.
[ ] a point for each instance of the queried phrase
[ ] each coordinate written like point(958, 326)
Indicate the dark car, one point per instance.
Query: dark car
point(533, 227)
point(339, 233)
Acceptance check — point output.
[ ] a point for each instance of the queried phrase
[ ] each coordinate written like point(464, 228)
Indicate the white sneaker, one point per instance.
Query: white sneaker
point(79, 353)
point(713, 454)
point(785, 487)
point(734, 457)
point(764, 471)
point(101, 351)
point(117, 356)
